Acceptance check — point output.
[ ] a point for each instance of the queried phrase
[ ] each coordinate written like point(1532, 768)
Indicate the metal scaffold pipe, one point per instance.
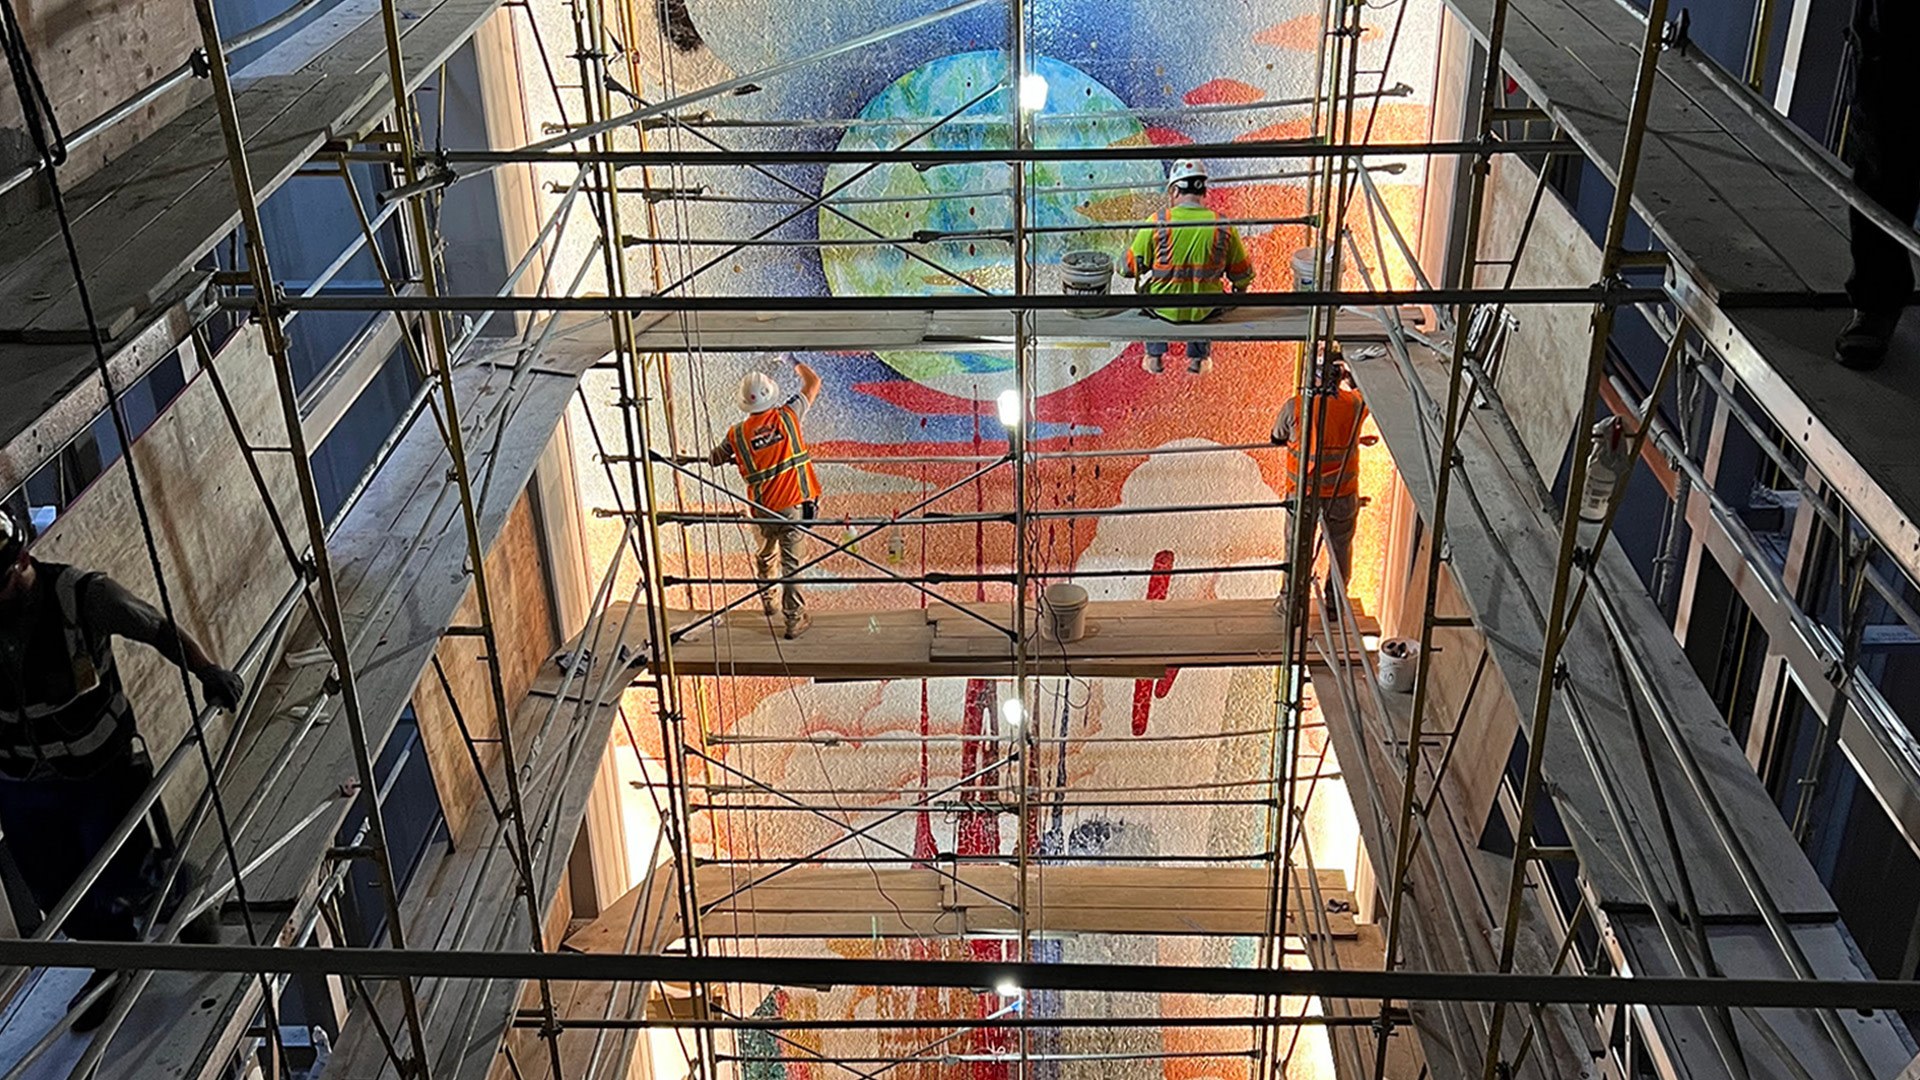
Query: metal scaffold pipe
point(1609, 295)
point(333, 628)
point(1280, 150)
point(440, 355)
point(1436, 986)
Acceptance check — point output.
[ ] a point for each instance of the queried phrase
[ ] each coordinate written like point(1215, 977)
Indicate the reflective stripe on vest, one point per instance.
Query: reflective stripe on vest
point(788, 457)
point(93, 715)
point(1164, 269)
point(1332, 463)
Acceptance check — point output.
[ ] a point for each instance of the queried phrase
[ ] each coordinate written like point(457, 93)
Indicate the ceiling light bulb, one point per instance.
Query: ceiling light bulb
point(1033, 92)
point(1011, 711)
point(1009, 406)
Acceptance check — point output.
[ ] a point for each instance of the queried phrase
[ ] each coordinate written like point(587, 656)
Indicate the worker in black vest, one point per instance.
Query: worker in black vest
point(1885, 155)
point(72, 763)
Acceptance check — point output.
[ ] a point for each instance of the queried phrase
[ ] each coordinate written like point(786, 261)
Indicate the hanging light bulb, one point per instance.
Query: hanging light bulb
point(1007, 988)
point(1033, 92)
point(1009, 406)
point(1012, 712)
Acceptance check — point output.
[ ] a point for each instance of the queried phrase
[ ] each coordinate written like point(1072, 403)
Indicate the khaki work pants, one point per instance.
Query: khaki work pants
point(786, 540)
point(1337, 518)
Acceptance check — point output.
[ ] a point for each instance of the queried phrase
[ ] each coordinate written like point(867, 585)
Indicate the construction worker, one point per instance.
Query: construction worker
point(1331, 415)
point(1886, 164)
point(72, 763)
point(773, 459)
point(1183, 254)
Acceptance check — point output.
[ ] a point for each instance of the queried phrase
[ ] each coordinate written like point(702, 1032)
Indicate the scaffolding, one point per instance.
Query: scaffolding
point(669, 970)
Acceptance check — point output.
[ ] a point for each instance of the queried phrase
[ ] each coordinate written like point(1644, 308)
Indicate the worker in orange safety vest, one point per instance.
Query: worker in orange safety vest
point(1187, 252)
point(774, 460)
point(1330, 418)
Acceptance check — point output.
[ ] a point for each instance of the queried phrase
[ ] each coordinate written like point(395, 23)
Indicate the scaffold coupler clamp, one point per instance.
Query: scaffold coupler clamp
point(263, 306)
point(198, 63)
point(1613, 287)
point(1562, 674)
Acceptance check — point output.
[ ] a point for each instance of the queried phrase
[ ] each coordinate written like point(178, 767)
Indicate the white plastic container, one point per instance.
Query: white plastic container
point(1306, 262)
point(1607, 466)
point(1065, 610)
point(1396, 664)
point(1088, 273)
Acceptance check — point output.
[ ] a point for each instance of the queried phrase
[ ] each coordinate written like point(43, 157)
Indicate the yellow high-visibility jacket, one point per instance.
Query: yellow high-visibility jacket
point(1183, 253)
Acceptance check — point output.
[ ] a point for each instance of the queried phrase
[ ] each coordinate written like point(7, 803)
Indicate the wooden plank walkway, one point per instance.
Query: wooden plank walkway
point(937, 330)
point(474, 900)
point(1759, 244)
point(143, 221)
point(930, 902)
point(1503, 549)
point(1125, 639)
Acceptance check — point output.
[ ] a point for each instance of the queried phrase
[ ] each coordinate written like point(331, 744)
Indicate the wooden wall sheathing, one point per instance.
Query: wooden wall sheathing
point(400, 564)
point(225, 568)
point(524, 628)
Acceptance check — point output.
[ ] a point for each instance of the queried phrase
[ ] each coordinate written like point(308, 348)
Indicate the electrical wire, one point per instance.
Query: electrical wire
point(50, 146)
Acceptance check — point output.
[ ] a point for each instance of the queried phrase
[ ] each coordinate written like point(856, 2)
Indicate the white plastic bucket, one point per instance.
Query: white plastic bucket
point(1396, 663)
point(1066, 612)
point(1305, 261)
point(1088, 273)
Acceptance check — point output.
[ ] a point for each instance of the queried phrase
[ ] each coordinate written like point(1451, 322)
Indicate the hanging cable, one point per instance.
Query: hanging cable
point(50, 146)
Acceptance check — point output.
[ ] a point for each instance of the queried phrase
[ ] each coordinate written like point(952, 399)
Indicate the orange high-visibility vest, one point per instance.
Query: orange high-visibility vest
point(774, 459)
point(1334, 460)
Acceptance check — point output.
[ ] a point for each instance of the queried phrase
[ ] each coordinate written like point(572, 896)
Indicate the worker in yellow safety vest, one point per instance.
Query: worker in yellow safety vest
point(1187, 251)
point(1329, 418)
point(781, 484)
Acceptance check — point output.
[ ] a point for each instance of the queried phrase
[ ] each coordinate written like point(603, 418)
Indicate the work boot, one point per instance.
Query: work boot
point(1152, 363)
point(766, 605)
point(797, 623)
point(94, 1014)
point(1199, 365)
point(1863, 344)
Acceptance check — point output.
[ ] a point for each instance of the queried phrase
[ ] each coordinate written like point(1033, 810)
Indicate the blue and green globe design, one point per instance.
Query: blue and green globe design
point(975, 198)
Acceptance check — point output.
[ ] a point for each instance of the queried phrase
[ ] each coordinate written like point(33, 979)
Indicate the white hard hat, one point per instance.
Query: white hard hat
point(758, 392)
point(1186, 169)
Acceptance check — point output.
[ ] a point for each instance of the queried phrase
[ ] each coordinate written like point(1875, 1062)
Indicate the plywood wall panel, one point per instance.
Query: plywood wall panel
point(224, 565)
point(1542, 376)
point(525, 632)
point(92, 55)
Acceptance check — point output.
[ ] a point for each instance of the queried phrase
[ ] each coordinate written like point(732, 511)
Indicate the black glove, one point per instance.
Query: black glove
point(222, 687)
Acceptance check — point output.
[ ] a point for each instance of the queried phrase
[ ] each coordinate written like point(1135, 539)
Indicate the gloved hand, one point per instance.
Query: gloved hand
point(222, 687)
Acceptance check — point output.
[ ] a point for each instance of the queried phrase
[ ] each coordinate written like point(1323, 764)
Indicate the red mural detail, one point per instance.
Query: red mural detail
point(1302, 33)
point(1223, 92)
point(923, 845)
point(978, 832)
point(1145, 690)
